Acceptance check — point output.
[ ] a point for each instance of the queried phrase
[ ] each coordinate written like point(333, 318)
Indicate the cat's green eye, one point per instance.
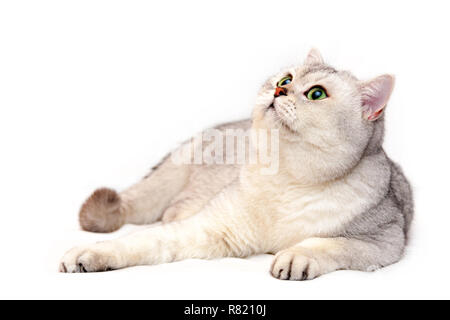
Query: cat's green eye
point(316, 93)
point(284, 81)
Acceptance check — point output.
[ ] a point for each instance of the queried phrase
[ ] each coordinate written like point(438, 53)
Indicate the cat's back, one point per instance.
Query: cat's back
point(220, 173)
point(402, 192)
point(211, 175)
point(244, 124)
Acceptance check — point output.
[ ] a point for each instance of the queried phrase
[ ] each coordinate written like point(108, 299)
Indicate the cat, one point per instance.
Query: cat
point(335, 202)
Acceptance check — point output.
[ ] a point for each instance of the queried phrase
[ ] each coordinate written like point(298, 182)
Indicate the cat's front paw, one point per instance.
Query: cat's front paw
point(295, 265)
point(92, 258)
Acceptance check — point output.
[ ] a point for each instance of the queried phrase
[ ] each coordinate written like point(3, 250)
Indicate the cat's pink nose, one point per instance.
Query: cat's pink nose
point(279, 91)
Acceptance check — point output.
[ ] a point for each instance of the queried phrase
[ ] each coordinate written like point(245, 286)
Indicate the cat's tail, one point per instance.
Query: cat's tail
point(102, 212)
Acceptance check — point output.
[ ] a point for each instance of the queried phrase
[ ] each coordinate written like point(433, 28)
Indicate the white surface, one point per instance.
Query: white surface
point(93, 93)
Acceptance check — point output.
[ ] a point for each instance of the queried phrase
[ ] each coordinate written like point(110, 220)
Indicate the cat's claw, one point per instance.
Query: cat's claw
point(291, 265)
point(87, 259)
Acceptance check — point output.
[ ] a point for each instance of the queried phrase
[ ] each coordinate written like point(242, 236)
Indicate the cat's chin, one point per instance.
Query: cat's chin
point(288, 132)
point(275, 121)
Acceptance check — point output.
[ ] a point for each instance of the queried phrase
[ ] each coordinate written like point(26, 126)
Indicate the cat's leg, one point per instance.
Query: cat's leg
point(317, 256)
point(106, 210)
point(183, 209)
point(200, 237)
point(205, 183)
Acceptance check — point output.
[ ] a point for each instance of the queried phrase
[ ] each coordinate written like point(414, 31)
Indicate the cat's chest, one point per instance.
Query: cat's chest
point(318, 211)
point(297, 212)
point(309, 206)
point(293, 214)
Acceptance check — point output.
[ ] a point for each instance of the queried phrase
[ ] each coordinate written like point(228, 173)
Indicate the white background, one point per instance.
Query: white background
point(93, 93)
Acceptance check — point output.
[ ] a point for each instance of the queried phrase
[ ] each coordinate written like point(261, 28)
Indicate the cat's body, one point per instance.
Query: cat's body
point(336, 201)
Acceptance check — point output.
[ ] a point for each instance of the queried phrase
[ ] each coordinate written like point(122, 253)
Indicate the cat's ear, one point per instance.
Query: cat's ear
point(375, 95)
point(314, 57)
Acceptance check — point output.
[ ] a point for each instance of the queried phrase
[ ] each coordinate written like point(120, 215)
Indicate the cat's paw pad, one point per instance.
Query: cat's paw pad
point(291, 265)
point(85, 259)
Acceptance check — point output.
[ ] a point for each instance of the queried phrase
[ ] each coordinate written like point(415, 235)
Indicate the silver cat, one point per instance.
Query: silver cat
point(336, 201)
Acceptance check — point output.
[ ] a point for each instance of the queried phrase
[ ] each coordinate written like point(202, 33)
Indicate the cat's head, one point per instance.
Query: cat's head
point(328, 115)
